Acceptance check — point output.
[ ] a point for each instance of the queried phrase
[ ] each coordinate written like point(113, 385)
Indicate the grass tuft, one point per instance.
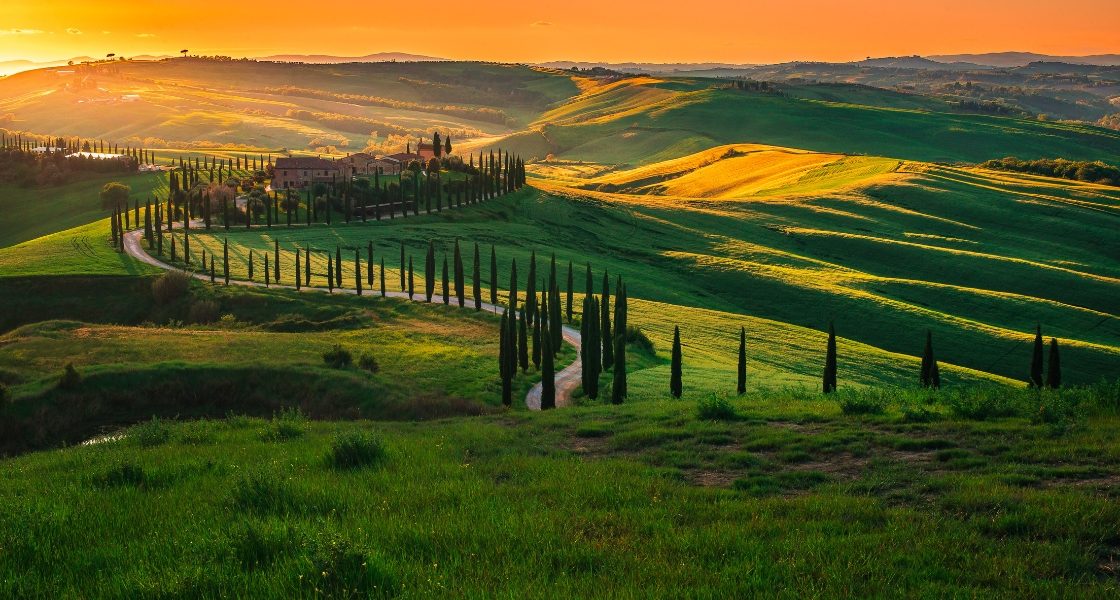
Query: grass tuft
point(716, 408)
point(150, 433)
point(353, 450)
point(285, 425)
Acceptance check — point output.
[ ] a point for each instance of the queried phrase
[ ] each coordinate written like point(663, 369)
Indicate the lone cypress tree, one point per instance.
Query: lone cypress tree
point(1036, 360)
point(266, 271)
point(357, 272)
point(503, 360)
point(548, 378)
point(410, 280)
point(330, 273)
point(493, 276)
point(523, 342)
point(675, 387)
point(460, 283)
point(225, 259)
point(446, 283)
point(430, 271)
point(382, 276)
point(297, 270)
point(741, 384)
point(1054, 370)
point(605, 332)
point(276, 261)
point(571, 284)
point(250, 257)
point(307, 267)
point(830, 361)
point(476, 277)
point(338, 266)
point(930, 378)
point(403, 285)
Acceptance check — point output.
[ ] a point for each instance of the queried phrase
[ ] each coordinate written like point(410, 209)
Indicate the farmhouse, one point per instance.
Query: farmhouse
point(404, 158)
point(425, 150)
point(298, 172)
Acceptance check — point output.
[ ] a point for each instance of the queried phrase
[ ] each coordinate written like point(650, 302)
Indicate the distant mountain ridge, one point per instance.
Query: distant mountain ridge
point(1022, 59)
point(327, 59)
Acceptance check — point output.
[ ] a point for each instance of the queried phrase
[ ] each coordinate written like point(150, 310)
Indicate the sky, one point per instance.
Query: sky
point(733, 31)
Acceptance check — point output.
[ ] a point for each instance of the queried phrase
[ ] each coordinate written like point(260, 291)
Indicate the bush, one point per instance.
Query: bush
point(203, 312)
point(983, 404)
point(70, 379)
point(150, 433)
point(716, 408)
point(861, 405)
point(338, 357)
point(356, 449)
point(170, 286)
point(638, 338)
point(339, 569)
point(288, 424)
point(368, 363)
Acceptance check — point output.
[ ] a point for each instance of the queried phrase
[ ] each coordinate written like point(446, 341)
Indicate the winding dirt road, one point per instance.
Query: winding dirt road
point(567, 380)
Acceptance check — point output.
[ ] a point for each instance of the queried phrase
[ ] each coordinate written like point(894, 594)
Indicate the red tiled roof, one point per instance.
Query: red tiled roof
point(304, 162)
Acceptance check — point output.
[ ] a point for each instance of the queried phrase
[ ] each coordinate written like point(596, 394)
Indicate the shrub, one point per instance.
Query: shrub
point(861, 405)
point(150, 433)
point(340, 569)
point(368, 363)
point(70, 379)
point(716, 408)
point(356, 449)
point(195, 433)
point(203, 312)
point(170, 286)
point(338, 357)
point(983, 404)
point(288, 424)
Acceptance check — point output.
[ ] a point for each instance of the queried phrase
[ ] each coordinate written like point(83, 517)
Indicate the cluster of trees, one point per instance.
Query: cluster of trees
point(21, 165)
point(1092, 172)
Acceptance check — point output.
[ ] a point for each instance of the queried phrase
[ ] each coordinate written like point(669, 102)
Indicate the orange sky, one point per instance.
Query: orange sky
point(603, 30)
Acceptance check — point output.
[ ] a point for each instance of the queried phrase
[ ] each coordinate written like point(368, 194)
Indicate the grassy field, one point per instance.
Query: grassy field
point(645, 499)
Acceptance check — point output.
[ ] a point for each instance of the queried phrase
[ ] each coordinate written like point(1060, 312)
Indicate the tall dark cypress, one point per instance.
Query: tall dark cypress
point(929, 364)
point(357, 272)
point(297, 271)
point(605, 332)
point(250, 257)
point(476, 277)
point(829, 381)
point(523, 342)
point(266, 271)
point(594, 363)
point(382, 276)
point(1054, 370)
point(618, 385)
point(225, 259)
point(675, 386)
point(1036, 360)
point(571, 284)
point(741, 383)
point(555, 319)
point(430, 272)
point(548, 378)
point(410, 279)
point(330, 273)
point(493, 276)
point(403, 284)
point(503, 360)
point(446, 283)
point(542, 321)
point(306, 267)
point(460, 283)
point(338, 266)
point(276, 256)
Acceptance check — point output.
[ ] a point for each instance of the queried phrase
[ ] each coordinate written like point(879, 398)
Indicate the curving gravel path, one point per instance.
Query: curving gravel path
point(567, 379)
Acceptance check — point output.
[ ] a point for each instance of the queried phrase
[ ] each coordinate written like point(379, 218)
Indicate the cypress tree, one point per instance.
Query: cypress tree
point(250, 259)
point(410, 279)
point(476, 276)
point(357, 272)
point(307, 267)
point(1054, 372)
point(276, 256)
point(555, 320)
point(531, 288)
point(338, 266)
point(430, 272)
point(266, 271)
point(402, 267)
point(589, 285)
point(211, 268)
point(493, 276)
point(618, 385)
point(548, 378)
point(570, 286)
point(186, 247)
point(225, 259)
point(594, 363)
point(503, 361)
point(1036, 360)
point(330, 273)
point(369, 264)
point(605, 331)
point(513, 285)
point(523, 341)
point(446, 283)
point(830, 361)
point(460, 283)
point(741, 384)
point(675, 387)
point(929, 365)
point(297, 270)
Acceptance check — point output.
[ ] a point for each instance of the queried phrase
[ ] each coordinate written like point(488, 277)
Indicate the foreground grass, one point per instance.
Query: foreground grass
point(637, 500)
